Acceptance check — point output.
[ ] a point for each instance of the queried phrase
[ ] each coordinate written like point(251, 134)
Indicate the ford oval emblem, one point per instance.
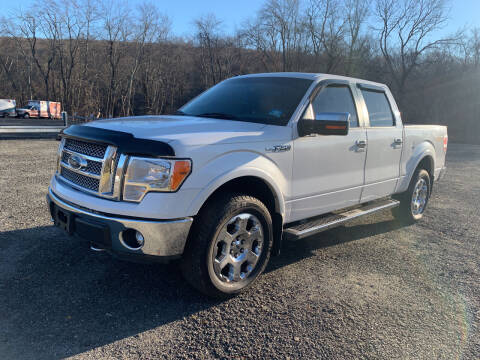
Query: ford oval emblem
point(77, 162)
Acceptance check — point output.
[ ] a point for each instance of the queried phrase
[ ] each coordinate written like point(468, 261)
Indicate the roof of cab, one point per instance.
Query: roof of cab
point(313, 76)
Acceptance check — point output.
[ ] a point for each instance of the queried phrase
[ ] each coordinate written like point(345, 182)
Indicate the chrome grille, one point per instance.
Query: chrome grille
point(93, 167)
point(89, 167)
point(80, 180)
point(115, 168)
point(86, 148)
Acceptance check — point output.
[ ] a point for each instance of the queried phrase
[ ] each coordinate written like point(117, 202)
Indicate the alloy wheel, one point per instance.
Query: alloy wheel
point(238, 248)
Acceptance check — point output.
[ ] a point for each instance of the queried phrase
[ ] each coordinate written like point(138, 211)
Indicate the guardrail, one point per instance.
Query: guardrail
point(29, 131)
point(43, 130)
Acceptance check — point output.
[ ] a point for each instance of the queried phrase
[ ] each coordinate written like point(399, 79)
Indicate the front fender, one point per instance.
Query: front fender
point(238, 164)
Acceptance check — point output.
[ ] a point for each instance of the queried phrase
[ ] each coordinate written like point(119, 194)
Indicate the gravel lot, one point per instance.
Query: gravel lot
point(372, 289)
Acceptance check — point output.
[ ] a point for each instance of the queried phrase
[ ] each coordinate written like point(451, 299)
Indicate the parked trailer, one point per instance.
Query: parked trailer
point(7, 107)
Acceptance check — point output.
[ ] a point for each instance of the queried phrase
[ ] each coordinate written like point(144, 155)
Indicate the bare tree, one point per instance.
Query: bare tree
point(281, 22)
point(276, 32)
point(262, 39)
point(406, 33)
point(68, 24)
point(356, 15)
point(151, 26)
point(7, 63)
point(474, 47)
point(209, 40)
point(326, 30)
point(115, 23)
point(26, 32)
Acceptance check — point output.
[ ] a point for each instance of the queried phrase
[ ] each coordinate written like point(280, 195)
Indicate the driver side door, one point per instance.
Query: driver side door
point(328, 171)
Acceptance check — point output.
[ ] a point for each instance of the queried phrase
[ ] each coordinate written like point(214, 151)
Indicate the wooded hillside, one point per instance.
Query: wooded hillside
point(104, 58)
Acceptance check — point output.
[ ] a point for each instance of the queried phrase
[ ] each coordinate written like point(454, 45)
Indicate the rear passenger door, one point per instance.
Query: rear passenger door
point(384, 143)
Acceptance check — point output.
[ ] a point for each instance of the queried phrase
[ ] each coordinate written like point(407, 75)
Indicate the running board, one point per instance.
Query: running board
point(315, 225)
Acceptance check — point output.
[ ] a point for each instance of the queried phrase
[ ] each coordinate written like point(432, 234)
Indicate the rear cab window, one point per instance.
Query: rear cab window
point(378, 107)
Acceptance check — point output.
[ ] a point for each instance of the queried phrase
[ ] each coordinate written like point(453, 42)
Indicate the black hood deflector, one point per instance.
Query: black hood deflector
point(125, 142)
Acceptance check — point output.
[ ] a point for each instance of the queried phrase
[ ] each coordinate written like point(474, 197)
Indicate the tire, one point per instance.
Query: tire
point(229, 245)
point(26, 116)
point(413, 202)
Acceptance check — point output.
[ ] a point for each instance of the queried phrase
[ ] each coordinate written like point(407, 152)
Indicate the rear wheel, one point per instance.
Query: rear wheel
point(229, 246)
point(26, 116)
point(414, 201)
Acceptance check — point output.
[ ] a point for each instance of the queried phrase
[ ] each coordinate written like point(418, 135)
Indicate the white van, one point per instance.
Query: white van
point(7, 108)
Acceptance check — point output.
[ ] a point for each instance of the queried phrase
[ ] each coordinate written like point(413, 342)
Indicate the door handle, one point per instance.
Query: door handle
point(361, 144)
point(398, 141)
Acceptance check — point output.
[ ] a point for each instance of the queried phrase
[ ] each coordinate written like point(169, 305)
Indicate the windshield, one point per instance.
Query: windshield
point(267, 100)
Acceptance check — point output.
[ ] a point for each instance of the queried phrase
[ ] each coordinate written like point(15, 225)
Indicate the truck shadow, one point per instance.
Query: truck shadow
point(293, 251)
point(58, 299)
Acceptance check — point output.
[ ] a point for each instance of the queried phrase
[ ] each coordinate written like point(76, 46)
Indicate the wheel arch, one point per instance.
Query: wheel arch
point(423, 155)
point(427, 163)
point(250, 185)
point(263, 190)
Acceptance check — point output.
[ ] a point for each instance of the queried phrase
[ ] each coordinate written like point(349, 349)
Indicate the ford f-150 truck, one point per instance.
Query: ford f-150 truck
point(251, 161)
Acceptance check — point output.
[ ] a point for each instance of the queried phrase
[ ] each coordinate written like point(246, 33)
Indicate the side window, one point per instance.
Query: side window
point(336, 98)
point(379, 110)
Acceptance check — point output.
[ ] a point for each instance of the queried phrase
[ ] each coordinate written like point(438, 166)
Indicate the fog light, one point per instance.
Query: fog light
point(139, 238)
point(132, 239)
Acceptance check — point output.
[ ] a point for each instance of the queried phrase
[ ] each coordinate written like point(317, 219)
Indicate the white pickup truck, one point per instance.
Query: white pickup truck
point(249, 162)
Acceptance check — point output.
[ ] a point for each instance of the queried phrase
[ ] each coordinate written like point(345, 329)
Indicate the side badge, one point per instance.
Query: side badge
point(278, 148)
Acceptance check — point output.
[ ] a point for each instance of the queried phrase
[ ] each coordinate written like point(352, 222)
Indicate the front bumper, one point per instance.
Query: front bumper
point(164, 239)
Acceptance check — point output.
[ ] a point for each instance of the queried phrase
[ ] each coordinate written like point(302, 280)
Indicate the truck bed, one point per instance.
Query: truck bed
point(417, 137)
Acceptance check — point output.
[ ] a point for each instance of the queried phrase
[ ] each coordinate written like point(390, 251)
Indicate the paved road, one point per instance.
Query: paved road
point(29, 122)
point(372, 289)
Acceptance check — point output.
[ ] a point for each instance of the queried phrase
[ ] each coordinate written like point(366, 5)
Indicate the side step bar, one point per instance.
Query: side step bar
point(318, 224)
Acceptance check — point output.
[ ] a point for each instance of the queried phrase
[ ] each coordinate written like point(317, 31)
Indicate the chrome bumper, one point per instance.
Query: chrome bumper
point(163, 238)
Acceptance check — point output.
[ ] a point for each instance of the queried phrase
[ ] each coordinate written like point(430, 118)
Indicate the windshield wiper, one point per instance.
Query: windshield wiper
point(179, 112)
point(218, 116)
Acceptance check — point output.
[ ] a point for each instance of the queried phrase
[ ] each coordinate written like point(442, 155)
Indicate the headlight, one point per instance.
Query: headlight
point(147, 174)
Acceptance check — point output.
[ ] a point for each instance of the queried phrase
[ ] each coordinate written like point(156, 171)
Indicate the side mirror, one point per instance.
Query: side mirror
point(326, 123)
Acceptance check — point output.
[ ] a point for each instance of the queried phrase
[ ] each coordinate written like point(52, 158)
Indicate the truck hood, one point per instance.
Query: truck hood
point(187, 130)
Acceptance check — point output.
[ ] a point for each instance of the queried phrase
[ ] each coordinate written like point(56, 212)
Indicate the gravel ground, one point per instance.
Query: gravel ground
point(372, 289)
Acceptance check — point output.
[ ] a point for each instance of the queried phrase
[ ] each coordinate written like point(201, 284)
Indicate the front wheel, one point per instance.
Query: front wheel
point(414, 201)
point(26, 116)
point(229, 245)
